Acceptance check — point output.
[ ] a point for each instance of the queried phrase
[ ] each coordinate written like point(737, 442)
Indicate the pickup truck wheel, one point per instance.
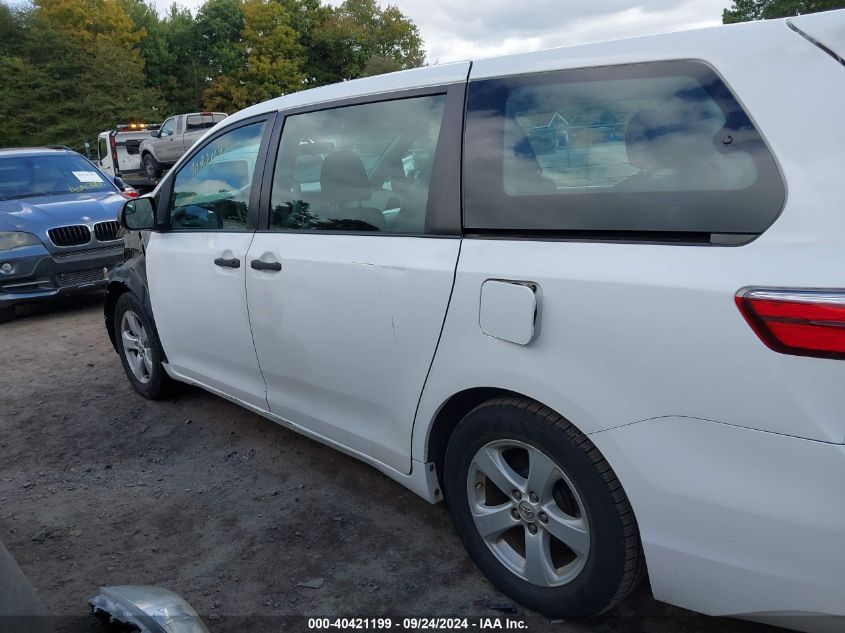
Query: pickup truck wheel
point(151, 166)
point(139, 349)
point(540, 511)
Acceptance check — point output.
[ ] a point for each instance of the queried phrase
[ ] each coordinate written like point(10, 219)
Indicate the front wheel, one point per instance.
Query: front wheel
point(7, 313)
point(139, 349)
point(151, 167)
point(540, 511)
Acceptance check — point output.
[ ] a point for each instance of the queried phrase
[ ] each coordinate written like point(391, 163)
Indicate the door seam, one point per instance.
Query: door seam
point(249, 320)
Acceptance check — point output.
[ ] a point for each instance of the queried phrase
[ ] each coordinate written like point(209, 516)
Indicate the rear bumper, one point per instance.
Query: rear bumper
point(737, 522)
point(37, 275)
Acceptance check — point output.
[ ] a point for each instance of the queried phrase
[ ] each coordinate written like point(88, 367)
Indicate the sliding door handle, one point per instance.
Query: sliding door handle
point(257, 264)
point(227, 263)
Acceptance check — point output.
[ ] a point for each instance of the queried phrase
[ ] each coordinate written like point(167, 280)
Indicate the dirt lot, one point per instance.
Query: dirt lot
point(98, 486)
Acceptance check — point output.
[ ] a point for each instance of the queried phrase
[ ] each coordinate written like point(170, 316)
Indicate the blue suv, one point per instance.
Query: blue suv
point(58, 225)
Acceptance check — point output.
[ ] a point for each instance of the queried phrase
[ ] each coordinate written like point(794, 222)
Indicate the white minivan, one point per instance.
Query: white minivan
point(593, 297)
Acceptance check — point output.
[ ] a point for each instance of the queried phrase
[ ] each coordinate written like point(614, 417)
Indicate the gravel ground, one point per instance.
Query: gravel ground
point(99, 486)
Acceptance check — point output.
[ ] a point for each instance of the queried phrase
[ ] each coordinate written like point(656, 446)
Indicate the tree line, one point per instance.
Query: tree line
point(746, 10)
point(70, 69)
point(73, 68)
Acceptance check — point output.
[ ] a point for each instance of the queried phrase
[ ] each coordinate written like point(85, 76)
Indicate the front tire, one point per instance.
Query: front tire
point(139, 349)
point(7, 313)
point(540, 511)
point(151, 167)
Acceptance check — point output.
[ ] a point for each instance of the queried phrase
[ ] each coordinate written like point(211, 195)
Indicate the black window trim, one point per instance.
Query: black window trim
point(164, 209)
point(444, 207)
point(669, 237)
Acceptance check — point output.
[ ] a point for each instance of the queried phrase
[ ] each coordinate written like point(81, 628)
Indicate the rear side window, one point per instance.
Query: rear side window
point(658, 147)
point(196, 122)
point(357, 168)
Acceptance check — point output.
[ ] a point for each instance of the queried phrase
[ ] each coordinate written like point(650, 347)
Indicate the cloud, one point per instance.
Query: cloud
point(470, 29)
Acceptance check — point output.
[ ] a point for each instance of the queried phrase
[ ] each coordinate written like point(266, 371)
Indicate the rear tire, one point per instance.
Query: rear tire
point(139, 349)
point(540, 511)
point(151, 167)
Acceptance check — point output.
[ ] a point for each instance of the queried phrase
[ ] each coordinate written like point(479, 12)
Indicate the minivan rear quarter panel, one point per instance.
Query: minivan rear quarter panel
point(631, 331)
point(640, 345)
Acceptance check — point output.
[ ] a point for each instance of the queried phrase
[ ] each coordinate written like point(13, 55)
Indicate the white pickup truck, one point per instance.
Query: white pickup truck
point(175, 137)
point(118, 153)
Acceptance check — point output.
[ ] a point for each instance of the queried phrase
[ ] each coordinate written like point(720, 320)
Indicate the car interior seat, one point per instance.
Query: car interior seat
point(669, 153)
point(413, 201)
point(522, 171)
point(344, 185)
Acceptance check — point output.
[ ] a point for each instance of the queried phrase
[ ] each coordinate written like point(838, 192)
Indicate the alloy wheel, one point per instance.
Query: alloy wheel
point(136, 346)
point(528, 513)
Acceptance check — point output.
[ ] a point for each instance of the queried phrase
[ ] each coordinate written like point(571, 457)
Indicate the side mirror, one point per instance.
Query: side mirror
point(155, 134)
point(118, 182)
point(138, 215)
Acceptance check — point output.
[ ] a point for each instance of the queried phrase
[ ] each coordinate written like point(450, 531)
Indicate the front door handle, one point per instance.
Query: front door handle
point(257, 264)
point(228, 263)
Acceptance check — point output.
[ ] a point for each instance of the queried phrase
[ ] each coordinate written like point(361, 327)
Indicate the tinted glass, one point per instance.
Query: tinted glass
point(211, 191)
point(661, 147)
point(358, 168)
point(102, 147)
point(195, 122)
point(51, 175)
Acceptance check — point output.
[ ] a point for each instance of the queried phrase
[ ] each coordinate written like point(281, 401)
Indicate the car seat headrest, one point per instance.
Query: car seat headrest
point(343, 178)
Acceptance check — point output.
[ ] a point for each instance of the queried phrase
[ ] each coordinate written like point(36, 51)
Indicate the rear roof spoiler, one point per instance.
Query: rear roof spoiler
point(825, 30)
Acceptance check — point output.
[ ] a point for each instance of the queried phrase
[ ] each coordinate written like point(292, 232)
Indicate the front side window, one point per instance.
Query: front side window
point(102, 147)
point(167, 127)
point(357, 168)
point(658, 147)
point(211, 191)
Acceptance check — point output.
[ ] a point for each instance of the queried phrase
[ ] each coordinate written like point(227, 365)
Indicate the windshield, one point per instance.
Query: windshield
point(54, 174)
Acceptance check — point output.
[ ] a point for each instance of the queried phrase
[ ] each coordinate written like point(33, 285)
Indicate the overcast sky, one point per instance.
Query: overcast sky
point(470, 29)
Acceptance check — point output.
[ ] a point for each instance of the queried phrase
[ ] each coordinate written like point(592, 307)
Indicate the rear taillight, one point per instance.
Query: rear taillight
point(798, 322)
point(115, 163)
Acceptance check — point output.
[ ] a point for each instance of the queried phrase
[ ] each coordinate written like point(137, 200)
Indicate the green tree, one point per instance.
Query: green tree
point(186, 79)
point(362, 39)
point(75, 72)
point(218, 27)
point(169, 46)
point(270, 59)
point(12, 24)
point(309, 19)
point(72, 68)
point(745, 10)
